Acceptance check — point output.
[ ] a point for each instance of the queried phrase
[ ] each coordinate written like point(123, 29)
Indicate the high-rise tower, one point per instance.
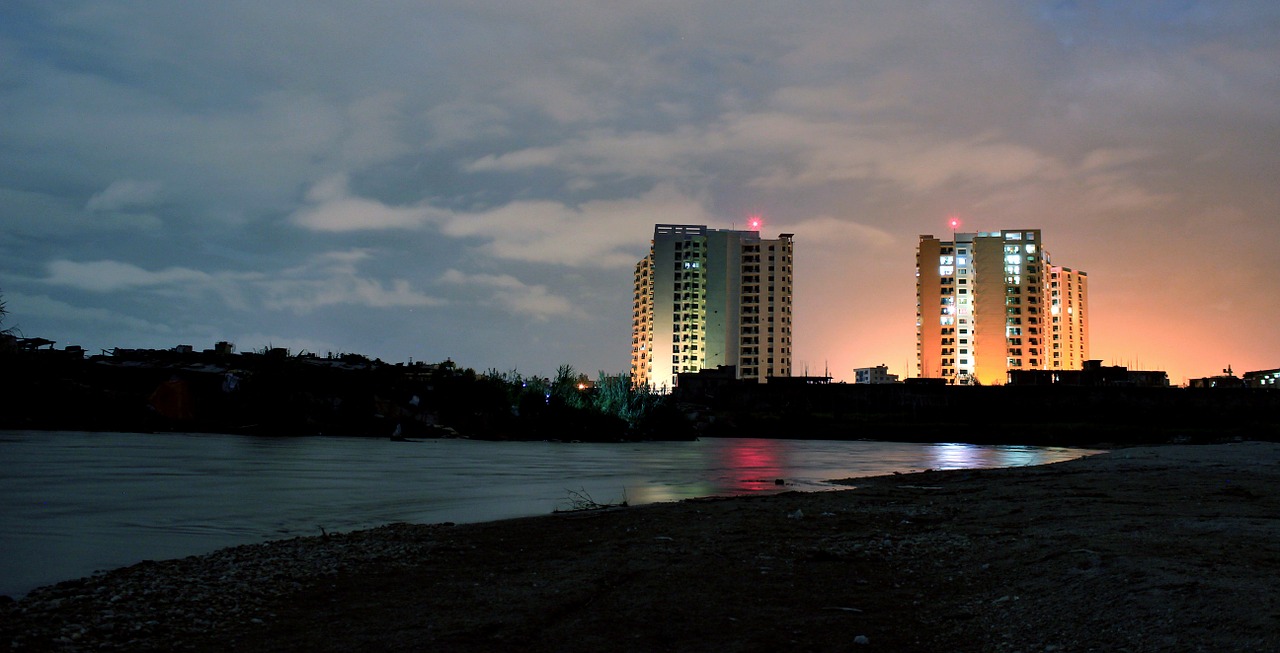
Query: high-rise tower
point(709, 297)
point(987, 303)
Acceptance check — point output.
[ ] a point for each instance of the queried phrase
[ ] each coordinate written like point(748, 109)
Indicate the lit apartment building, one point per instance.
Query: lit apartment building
point(988, 303)
point(703, 298)
point(1069, 324)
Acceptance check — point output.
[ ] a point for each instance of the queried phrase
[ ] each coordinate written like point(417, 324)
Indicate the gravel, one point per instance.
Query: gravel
point(159, 605)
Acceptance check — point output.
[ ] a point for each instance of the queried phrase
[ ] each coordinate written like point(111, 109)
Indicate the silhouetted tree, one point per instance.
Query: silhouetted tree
point(568, 388)
point(7, 344)
point(614, 395)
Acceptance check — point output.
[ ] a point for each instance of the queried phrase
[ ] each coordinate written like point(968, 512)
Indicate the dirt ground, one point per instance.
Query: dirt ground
point(1171, 548)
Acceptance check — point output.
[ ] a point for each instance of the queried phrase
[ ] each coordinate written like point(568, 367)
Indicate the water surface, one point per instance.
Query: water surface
point(74, 503)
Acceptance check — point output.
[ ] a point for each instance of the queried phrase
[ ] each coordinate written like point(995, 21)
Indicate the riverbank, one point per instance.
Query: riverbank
point(1145, 549)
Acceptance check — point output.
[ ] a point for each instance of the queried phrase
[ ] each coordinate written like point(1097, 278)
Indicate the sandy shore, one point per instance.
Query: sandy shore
point(1171, 548)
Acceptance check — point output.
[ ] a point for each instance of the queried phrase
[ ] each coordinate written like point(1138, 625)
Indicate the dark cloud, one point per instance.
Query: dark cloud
point(475, 179)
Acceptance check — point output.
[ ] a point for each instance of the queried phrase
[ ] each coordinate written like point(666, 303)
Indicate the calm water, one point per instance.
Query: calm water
point(74, 503)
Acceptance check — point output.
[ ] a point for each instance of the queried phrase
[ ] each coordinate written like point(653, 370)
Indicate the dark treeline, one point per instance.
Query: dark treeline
point(274, 393)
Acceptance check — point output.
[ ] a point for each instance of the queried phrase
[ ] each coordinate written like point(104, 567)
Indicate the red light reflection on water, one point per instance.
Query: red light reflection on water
point(753, 465)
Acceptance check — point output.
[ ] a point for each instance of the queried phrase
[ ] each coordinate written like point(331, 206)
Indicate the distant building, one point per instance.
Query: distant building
point(795, 381)
point(1093, 374)
point(991, 303)
point(1227, 379)
point(877, 374)
point(706, 298)
point(1269, 379)
point(708, 381)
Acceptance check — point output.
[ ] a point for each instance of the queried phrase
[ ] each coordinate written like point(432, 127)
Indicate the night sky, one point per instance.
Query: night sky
point(475, 179)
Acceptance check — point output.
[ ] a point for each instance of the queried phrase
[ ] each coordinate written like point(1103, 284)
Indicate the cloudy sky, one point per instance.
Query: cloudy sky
point(475, 179)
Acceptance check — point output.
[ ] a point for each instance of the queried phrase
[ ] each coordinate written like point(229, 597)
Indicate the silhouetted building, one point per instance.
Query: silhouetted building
point(1092, 374)
point(877, 374)
point(1227, 379)
point(709, 381)
point(1263, 379)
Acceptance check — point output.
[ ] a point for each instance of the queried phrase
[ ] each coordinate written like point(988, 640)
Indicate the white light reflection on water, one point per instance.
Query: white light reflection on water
point(954, 455)
point(74, 502)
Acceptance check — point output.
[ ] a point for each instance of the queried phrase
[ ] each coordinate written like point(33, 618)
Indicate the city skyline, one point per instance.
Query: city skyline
point(476, 181)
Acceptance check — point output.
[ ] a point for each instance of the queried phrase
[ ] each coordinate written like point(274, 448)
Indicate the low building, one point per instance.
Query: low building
point(1269, 379)
point(708, 381)
point(877, 374)
point(1092, 374)
point(1227, 379)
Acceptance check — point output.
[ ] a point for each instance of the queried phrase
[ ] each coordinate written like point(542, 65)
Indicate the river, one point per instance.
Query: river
point(75, 503)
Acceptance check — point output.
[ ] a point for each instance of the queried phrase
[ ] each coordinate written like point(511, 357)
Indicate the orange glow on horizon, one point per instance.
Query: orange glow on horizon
point(858, 311)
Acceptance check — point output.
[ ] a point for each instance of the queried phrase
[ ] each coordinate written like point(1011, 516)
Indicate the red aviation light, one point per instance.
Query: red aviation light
point(754, 222)
point(955, 223)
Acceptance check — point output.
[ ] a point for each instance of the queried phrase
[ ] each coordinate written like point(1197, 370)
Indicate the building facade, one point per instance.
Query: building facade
point(706, 298)
point(989, 303)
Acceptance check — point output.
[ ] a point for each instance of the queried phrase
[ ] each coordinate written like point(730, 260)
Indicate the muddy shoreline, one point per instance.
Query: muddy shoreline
point(1172, 548)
